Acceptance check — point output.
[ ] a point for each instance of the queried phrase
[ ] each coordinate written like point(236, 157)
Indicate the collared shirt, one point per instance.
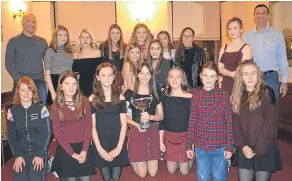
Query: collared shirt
point(269, 50)
point(210, 124)
point(24, 56)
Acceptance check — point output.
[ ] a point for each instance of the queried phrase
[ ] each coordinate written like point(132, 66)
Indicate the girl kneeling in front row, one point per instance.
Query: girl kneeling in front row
point(143, 143)
point(109, 123)
point(72, 126)
point(176, 103)
point(29, 133)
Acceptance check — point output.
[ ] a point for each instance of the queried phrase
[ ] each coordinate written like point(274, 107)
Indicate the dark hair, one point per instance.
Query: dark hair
point(234, 19)
point(210, 65)
point(261, 5)
point(151, 84)
point(169, 40)
point(149, 57)
point(179, 51)
point(98, 92)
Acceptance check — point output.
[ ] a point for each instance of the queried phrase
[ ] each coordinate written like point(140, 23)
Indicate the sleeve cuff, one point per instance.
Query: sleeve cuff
point(284, 79)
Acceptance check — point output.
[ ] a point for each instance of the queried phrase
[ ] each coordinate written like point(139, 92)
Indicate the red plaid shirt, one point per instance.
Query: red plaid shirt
point(210, 124)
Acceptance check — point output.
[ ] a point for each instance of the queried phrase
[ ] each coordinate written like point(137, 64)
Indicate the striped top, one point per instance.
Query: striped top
point(58, 62)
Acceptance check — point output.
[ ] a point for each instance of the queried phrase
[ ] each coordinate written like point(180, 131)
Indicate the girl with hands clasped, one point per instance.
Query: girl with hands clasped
point(176, 101)
point(210, 127)
point(254, 124)
point(143, 143)
point(29, 133)
point(72, 126)
point(109, 123)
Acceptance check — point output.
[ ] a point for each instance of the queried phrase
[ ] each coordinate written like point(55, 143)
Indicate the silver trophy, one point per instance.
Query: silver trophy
point(142, 104)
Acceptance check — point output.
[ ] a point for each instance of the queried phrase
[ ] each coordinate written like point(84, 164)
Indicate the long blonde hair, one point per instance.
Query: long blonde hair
point(60, 98)
point(78, 45)
point(253, 98)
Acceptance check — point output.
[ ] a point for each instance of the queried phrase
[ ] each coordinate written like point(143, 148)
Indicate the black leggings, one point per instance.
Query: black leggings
point(109, 173)
point(250, 175)
point(84, 178)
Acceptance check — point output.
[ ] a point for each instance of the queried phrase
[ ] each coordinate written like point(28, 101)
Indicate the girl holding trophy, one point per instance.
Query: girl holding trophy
point(143, 137)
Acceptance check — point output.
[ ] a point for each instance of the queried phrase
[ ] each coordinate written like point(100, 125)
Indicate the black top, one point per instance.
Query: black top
point(150, 103)
point(188, 63)
point(176, 112)
point(108, 127)
point(162, 73)
point(116, 61)
point(86, 68)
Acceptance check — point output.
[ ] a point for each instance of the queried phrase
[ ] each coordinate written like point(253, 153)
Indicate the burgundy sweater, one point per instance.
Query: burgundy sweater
point(257, 128)
point(71, 130)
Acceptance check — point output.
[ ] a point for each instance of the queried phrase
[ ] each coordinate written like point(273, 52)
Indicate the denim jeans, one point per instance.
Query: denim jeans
point(42, 90)
point(211, 164)
point(273, 80)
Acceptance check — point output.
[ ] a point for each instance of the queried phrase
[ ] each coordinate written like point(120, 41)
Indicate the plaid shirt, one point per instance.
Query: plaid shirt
point(210, 124)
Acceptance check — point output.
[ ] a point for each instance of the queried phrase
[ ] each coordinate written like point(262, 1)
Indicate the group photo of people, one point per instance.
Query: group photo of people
point(139, 103)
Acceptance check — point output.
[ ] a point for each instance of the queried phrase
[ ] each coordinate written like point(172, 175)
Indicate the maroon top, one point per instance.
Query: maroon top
point(71, 130)
point(231, 61)
point(257, 128)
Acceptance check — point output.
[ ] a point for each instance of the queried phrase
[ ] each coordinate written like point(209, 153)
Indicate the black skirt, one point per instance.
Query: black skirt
point(55, 78)
point(270, 161)
point(66, 166)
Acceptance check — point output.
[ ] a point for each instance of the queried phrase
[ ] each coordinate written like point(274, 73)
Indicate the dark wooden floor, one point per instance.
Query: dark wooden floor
point(284, 143)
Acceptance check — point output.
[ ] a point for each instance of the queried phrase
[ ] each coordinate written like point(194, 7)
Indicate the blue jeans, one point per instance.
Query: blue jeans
point(273, 80)
point(211, 163)
point(42, 90)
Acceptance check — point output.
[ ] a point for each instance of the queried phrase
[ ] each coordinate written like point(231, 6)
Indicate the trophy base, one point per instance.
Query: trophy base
point(145, 125)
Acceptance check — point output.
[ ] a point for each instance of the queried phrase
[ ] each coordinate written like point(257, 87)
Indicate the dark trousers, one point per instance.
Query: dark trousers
point(28, 174)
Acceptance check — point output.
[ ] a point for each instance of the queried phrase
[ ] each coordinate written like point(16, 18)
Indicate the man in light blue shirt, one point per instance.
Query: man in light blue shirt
point(269, 50)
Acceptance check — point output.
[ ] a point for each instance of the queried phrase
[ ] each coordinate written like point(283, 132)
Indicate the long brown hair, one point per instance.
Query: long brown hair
point(31, 86)
point(98, 92)
point(133, 68)
point(151, 84)
point(253, 98)
point(149, 57)
point(169, 46)
point(53, 44)
point(59, 102)
point(179, 51)
point(184, 83)
point(121, 43)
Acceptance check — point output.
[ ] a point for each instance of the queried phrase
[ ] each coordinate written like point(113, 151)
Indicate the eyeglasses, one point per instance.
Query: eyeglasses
point(187, 36)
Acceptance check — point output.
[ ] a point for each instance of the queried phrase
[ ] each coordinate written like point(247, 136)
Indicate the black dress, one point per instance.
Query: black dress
point(86, 68)
point(108, 126)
